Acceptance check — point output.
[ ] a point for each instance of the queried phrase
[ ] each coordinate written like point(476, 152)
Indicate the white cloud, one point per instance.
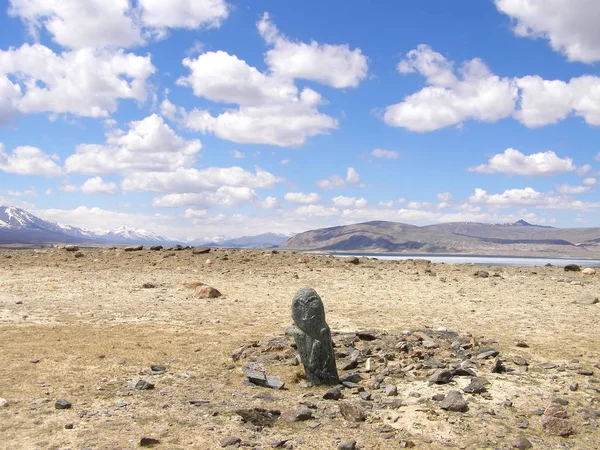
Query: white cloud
point(83, 82)
point(449, 100)
point(352, 176)
point(49, 191)
point(28, 193)
point(194, 180)
point(316, 210)
point(224, 197)
point(583, 170)
point(513, 162)
point(444, 196)
point(349, 202)
point(148, 145)
point(69, 188)
point(193, 213)
point(335, 65)
point(305, 199)
point(270, 203)
point(284, 162)
point(237, 154)
point(590, 181)
point(388, 204)
point(115, 23)
point(528, 197)
point(384, 154)
point(543, 102)
point(97, 185)
point(568, 189)
point(271, 109)
point(418, 205)
point(28, 160)
point(569, 25)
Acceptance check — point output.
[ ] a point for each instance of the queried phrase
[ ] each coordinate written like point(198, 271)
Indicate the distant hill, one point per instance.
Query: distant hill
point(265, 240)
point(459, 237)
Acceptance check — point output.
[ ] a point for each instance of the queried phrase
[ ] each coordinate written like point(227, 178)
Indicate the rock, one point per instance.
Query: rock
point(476, 386)
point(313, 338)
point(572, 268)
point(199, 402)
point(134, 248)
point(524, 423)
point(586, 373)
point(79, 255)
point(556, 426)
point(3, 403)
point(498, 366)
point(157, 370)
point(69, 426)
point(351, 260)
point(522, 344)
point(454, 401)
point(441, 377)
point(259, 417)
point(228, 441)
point(334, 393)
point(481, 274)
point(72, 248)
point(148, 442)
point(367, 335)
point(349, 444)
point(301, 414)
point(391, 390)
point(206, 291)
point(62, 404)
point(561, 401)
point(200, 250)
point(352, 411)
point(406, 444)
point(522, 444)
point(588, 271)
point(279, 443)
point(156, 248)
point(149, 285)
point(487, 353)
point(548, 366)
point(438, 397)
point(586, 300)
point(573, 387)
point(257, 375)
point(520, 361)
point(144, 385)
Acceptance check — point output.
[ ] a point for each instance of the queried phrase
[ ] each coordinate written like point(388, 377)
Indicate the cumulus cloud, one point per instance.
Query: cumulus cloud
point(337, 182)
point(149, 145)
point(384, 154)
point(28, 160)
point(349, 202)
point(315, 210)
point(513, 162)
point(335, 65)
point(237, 154)
point(115, 23)
point(223, 197)
point(352, 176)
point(473, 92)
point(590, 181)
point(528, 197)
point(270, 203)
point(305, 199)
point(418, 205)
point(569, 25)
point(97, 185)
point(568, 189)
point(82, 82)
point(31, 192)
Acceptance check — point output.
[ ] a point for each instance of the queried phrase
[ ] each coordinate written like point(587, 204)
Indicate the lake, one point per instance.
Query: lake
point(481, 260)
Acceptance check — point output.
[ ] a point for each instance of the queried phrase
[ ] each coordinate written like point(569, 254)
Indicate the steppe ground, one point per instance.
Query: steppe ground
point(85, 329)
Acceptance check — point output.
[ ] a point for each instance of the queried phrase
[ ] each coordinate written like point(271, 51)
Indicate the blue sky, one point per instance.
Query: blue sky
point(226, 118)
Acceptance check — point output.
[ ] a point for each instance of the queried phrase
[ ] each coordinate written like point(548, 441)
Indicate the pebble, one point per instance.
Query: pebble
point(347, 445)
point(574, 387)
point(148, 442)
point(68, 426)
point(229, 441)
point(62, 404)
point(206, 291)
point(548, 366)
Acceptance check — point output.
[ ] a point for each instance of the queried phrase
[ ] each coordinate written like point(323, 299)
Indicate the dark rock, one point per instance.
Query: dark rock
point(520, 361)
point(487, 353)
point(367, 335)
point(72, 248)
point(352, 411)
point(157, 370)
point(200, 250)
point(148, 442)
point(229, 441)
point(134, 248)
point(441, 377)
point(259, 417)
point(156, 247)
point(481, 274)
point(522, 344)
point(586, 373)
point(574, 387)
point(522, 444)
point(199, 402)
point(79, 255)
point(148, 285)
point(353, 377)
point(301, 414)
point(69, 426)
point(476, 386)
point(257, 375)
point(438, 397)
point(313, 338)
point(347, 445)
point(144, 385)
point(391, 390)
point(279, 444)
point(498, 366)
point(333, 393)
point(352, 260)
point(561, 401)
point(62, 404)
point(206, 291)
point(572, 268)
point(454, 401)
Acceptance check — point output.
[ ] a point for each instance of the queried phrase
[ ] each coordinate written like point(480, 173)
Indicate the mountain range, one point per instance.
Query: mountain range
point(18, 226)
point(518, 238)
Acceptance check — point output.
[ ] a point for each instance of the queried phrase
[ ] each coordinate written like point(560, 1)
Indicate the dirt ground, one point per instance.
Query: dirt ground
point(86, 330)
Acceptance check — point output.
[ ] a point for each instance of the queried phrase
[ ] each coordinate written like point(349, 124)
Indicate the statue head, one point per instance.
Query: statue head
point(308, 312)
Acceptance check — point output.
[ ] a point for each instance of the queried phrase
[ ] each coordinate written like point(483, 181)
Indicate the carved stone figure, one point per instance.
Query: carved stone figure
point(313, 338)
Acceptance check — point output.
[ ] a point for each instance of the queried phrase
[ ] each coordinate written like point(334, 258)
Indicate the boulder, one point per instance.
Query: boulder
point(134, 248)
point(572, 268)
point(72, 248)
point(588, 271)
point(200, 250)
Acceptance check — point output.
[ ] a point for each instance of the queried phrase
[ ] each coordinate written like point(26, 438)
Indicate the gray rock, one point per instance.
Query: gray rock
point(572, 268)
point(498, 366)
point(134, 248)
point(144, 385)
point(352, 411)
point(155, 369)
point(313, 338)
point(72, 248)
point(520, 361)
point(487, 353)
point(441, 377)
point(481, 274)
point(229, 441)
point(200, 250)
point(257, 375)
point(454, 401)
point(476, 386)
point(301, 414)
point(347, 445)
point(522, 444)
point(156, 248)
point(438, 397)
point(548, 366)
point(391, 390)
point(62, 404)
point(334, 393)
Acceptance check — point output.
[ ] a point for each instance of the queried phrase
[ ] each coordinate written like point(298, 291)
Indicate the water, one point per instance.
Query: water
point(482, 260)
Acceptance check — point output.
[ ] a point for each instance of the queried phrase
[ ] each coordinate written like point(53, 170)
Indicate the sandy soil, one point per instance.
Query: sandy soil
point(85, 330)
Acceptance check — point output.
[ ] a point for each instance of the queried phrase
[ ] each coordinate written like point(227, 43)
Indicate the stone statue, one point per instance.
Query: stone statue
point(313, 338)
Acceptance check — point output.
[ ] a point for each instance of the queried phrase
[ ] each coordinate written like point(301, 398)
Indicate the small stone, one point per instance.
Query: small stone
point(279, 444)
point(574, 387)
point(352, 260)
point(3, 403)
point(522, 444)
point(406, 444)
point(498, 366)
point(561, 401)
point(438, 397)
point(229, 441)
point(144, 385)
point(391, 390)
point(454, 401)
point(524, 423)
point(347, 445)
point(367, 335)
point(586, 373)
point(548, 366)
point(72, 248)
point(537, 412)
point(79, 255)
point(441, 377)
point(366, 396)
point(301, 414)
point(200, 250)
point(485, 354)
point(157, 370)
point(476, 386)
point(68, 426)
point(481, 274)
point(259, 417)
point(572, 268)
point(333, 393)
point(134, 248)
point(206, 291)
point(522, 344)
point(148, 285)
point(589, 271)
point(352, 411)
point(520, 361)
point(148, 442)
point(62, 404)
point(199, 402)
point(556, 426)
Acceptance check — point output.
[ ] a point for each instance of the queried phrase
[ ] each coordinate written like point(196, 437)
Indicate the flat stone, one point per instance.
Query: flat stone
point(586, 300)
point(520, 361)
point(279, 443)
point(134, 248)
point(454, 401)
point(155, 369)
point(476, 386)
point(199, 402)
point(352, 411)
point(228, 441)
point(62, 404)
point(548, 366)
point(301, 414)
point(485, 354)
point(522, 444)
point(441, 377)
point(561, 401)
point(200, 250)
point(586, 373)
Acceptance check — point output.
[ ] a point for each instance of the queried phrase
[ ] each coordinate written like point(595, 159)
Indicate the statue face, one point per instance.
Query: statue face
point(308, 312)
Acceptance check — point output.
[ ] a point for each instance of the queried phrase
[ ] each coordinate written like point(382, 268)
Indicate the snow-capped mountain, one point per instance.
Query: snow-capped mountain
point(20, 226)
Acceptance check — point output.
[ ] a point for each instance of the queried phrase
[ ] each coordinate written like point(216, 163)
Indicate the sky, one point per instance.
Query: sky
point(205, 118)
